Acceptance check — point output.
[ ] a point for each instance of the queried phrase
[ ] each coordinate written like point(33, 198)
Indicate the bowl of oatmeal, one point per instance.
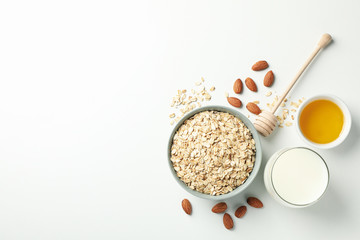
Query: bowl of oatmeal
point(214, 152)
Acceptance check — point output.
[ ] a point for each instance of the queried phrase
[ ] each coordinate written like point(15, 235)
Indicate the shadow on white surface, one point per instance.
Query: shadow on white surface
point(331, 208)
point(350, 142)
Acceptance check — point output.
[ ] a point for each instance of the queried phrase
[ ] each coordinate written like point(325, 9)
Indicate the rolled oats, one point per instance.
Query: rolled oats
point(285, 112)
point(213, 152)
point(185, 103)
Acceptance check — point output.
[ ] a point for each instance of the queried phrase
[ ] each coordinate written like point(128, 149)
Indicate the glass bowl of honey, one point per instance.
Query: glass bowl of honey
point(323, 121)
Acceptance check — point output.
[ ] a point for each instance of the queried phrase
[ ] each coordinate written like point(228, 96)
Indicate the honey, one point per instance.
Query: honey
point(321, 121)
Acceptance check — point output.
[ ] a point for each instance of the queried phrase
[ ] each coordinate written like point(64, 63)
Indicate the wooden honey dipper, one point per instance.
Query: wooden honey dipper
point(266, 122)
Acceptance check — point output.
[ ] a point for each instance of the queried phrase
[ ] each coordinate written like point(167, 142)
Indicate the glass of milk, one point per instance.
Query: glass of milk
point(296, 177)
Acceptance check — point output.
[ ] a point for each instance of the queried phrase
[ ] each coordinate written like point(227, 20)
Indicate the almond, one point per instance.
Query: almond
point(186, 205)
point(254, 202)
point(253, 108)
point(235, 102)
point(238, 85)
point(219, 208)
point(269, 79)
point(251, 85)
point(260, 65)
point(240, 212)
point(228, 222)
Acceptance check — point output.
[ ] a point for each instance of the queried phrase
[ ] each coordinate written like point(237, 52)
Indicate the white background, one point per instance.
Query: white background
point(85, 88)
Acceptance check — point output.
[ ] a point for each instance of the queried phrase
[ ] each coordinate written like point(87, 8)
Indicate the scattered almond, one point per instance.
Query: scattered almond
point(238, 85)
point(228, 222)
point(250, 84)
point(269, 79)
point(219, 208)
point(235, 102)
point(186, 205)
point(253, 108)
point(240, 212)
point(260, 65)
point(254, 202)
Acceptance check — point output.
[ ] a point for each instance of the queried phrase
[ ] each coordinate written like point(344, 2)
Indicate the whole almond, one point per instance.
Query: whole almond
point(235, 102)
point(238, 85)
point(186, 205)
point(254, 202)
point(260, 65)
point(219, 208)
point(269, 79)
point(240, 212)
point(251, 85)
point(253, 108)
point(228, 222)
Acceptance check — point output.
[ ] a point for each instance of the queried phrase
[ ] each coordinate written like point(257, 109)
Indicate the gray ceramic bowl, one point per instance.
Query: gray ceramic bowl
point(258, 156)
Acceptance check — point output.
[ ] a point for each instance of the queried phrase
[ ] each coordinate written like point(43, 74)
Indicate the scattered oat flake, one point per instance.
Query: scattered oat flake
point(226, 94)
point(288, 124)
point(294, 104)
point(292, 117)
point(172, 122)
point(256, 102)
point(293, 110)
point(268, 94)
point(185, 103)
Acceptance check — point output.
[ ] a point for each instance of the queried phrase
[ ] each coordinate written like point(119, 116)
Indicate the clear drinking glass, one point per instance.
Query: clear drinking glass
point(296, 177)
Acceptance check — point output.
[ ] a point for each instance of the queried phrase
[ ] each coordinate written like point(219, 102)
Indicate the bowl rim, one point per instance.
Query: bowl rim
point(258, 156)
point(347, 121)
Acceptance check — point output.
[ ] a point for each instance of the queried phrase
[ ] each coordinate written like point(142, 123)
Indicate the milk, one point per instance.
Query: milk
point(296, 177)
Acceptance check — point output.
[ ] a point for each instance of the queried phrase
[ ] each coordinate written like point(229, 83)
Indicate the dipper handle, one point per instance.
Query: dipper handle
point(324, 41)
